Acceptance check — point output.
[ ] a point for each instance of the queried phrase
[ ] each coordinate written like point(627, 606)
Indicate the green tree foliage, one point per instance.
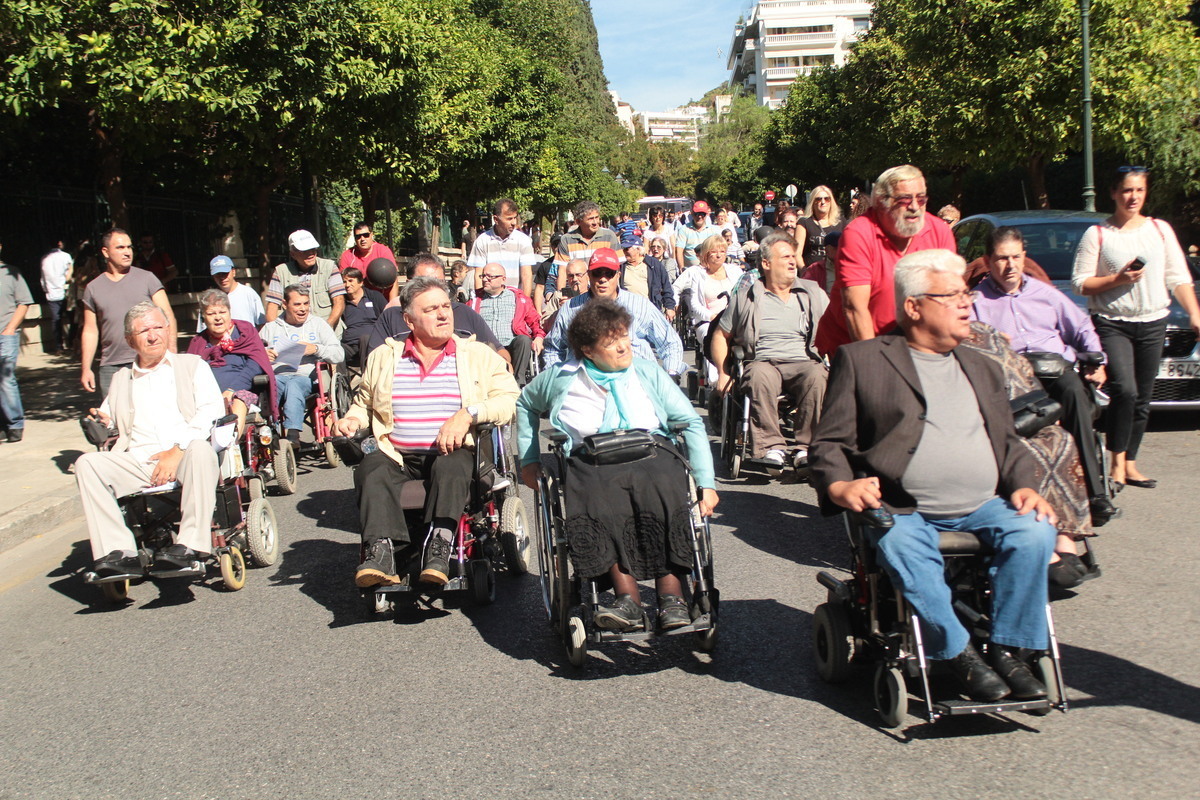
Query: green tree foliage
point(991, 84)
point(728, 163)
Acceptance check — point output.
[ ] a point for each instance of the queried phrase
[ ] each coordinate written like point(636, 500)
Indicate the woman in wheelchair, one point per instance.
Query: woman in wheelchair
point(233, 351)
point(627, 521)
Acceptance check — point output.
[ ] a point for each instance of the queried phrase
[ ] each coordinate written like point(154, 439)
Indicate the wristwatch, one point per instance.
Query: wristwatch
point(474, 412)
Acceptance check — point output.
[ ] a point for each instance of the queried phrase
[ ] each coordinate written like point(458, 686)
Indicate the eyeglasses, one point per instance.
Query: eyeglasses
point(1135, 170)
point(603, 274)
point(948, 298)
point(907, 199)
point(821, 199)
point(487, 277)
point(366, 235)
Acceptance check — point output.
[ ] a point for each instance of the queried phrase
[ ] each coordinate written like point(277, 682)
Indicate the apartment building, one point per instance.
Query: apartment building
point(782, 39)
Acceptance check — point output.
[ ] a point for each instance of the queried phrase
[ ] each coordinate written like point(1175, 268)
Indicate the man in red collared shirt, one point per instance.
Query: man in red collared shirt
point(365, 250)
point(863, 301)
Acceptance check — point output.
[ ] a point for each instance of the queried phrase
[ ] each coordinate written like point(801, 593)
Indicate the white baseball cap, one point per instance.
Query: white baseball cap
point(303, 240)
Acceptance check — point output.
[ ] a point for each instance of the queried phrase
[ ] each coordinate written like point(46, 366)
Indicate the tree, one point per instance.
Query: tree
point(730, 158)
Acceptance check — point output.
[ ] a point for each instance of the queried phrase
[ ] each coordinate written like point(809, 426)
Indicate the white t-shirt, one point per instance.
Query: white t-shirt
point(55, 266)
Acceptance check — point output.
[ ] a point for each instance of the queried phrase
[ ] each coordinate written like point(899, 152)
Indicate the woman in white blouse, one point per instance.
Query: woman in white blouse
point(1128, 268)
point(711, 282)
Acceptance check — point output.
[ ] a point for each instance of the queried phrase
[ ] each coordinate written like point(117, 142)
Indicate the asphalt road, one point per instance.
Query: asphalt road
point(285, 689)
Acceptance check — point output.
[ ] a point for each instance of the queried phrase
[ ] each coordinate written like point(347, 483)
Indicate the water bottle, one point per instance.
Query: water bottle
point(369, 445)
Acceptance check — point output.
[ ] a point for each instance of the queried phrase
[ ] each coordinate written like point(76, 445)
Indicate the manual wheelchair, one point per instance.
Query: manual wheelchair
point(243, 523)
point(736, 442)
point(571, 601)
point(492, 532)
point(866, 619)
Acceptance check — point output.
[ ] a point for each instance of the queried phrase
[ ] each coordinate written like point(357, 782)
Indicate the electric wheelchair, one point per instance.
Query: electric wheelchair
point(329, 401)
point(734, 423)
point(571, 601)
point(866, 619)
point(492, 533)
point(243, 521)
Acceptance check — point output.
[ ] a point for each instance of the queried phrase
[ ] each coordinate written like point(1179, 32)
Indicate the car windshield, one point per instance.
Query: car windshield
point(1052, 245)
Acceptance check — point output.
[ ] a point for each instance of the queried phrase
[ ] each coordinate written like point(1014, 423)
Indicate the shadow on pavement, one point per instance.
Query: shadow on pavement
point(1115, 681)
point(797, 533)
point(52, 392)
point(324, 571)
point(330, 509)
point(171, 592)
point(66, 459)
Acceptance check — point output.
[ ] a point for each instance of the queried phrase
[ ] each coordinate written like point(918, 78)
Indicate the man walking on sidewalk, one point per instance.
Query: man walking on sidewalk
point(15, 300)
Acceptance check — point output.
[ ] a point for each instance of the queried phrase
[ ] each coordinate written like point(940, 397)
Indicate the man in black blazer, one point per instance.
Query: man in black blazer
point(930, 424)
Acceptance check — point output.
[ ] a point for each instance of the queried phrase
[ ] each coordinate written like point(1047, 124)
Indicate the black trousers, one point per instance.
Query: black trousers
point(520, 349)
point(378, 481)
point(1079, 416)
point(1134, 350)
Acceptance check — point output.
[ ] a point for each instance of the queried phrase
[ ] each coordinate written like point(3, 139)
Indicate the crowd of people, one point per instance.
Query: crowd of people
point(870, 325)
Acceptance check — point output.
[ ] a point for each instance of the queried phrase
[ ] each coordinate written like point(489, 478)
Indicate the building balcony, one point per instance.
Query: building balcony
point(802, 39)
point(784, 73)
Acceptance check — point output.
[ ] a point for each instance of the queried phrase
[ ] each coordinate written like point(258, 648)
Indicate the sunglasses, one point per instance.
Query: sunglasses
point(366, 235)
point(603, 274)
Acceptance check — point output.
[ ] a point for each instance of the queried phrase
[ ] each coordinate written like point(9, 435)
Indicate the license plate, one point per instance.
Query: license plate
point(1179, 369)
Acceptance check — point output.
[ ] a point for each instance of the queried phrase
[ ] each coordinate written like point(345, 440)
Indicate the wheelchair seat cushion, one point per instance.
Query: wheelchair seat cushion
point(412, 494)
point(960, 543)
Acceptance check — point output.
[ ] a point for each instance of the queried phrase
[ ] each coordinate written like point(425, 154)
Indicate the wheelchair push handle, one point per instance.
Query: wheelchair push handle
point(353, 449)
point(1089, 359)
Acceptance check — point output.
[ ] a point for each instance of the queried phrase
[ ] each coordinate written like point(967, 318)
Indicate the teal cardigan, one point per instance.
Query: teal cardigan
point(545, 395)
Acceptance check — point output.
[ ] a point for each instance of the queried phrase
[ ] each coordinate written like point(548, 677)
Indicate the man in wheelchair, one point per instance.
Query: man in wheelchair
point(772, 324)
point(163, 408)
point(1041, 321)
point(421, 395)
point(295, 343)
point(929, 424)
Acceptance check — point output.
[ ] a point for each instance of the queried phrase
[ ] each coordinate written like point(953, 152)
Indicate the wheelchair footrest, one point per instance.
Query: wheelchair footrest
point(196, 570)
point(700, 624)
point(91, 577)
point(406, 584)
point(954, 708)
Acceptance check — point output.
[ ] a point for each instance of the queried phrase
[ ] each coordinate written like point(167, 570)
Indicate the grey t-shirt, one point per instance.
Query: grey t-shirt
point(14, 291)
point(780, 329)
point(954, 470)
point(110, 300)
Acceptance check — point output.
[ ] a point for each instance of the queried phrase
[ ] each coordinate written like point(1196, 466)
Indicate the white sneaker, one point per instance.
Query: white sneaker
point(775, 458)
point(800, 459)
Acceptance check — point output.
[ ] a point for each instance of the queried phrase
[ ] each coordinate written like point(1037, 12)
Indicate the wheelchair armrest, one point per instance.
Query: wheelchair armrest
point(484, 428)
point(557, 437)
point(1089, 359)
point(872, 518)
point(260, 382)
point(678, 427)
point(228, 419)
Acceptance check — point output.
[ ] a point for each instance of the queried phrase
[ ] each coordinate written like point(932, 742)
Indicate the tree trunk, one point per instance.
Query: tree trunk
point(110, 170)
point(1036, 166)
point(956, 185)
point(366, 190)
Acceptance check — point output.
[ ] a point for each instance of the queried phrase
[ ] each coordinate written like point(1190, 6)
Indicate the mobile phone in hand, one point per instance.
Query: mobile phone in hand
point(1136, 265)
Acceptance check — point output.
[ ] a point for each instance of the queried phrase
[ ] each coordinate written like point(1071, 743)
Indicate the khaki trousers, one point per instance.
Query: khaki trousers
point(764, 381)
point(104, 477)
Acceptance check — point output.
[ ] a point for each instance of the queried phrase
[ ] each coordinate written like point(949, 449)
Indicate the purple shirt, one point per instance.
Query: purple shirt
point(1038, 317)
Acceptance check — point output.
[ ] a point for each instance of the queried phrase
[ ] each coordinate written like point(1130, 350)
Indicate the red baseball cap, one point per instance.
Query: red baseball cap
point(700, 205)
point(604, 258)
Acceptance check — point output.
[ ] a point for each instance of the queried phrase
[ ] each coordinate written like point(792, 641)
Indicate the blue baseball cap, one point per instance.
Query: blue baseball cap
point(220, 264)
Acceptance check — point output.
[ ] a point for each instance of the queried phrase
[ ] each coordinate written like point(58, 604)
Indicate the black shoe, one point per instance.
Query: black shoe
point(1145, 483)
point(672, 612)
point(437, 561)
point(626, 614)
point(379, 567)
point(117, 565)
point(1068, 572)
point(1103, 510)
point(175, 559)
point(980, 681)
point(15, 434)
point(1015, 673)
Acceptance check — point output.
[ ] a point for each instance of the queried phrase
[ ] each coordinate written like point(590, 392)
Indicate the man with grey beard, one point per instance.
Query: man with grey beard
point(862, 304)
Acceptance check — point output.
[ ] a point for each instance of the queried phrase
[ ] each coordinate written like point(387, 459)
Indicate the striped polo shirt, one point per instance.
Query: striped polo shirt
point(512, 252)
point(422, 400)
point(573, 246)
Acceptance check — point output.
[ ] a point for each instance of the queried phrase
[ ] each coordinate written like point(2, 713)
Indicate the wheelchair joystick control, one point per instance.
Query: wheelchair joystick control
point(874, 517)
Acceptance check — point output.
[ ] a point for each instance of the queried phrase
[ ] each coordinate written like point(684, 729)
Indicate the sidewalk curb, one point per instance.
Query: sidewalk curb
point(38, 516)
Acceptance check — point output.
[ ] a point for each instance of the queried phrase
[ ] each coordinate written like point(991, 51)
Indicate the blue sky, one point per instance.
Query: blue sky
point(662, 53)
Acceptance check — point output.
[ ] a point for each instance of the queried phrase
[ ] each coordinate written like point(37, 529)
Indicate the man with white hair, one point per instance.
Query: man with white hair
point(930, 424)
point(862, 304)
point(163, 407)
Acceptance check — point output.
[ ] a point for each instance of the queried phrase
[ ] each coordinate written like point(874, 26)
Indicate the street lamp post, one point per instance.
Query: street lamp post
point(1089, 178)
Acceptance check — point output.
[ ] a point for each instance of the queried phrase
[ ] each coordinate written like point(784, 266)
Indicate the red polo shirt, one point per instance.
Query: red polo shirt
point(351, 259)
point(867, 257)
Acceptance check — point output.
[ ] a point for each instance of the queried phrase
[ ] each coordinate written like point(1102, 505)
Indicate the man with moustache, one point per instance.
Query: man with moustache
point(930, 425)
point(863, 305)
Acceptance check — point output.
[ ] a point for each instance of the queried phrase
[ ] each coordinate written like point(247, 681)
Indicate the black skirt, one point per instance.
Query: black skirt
point(635, 514)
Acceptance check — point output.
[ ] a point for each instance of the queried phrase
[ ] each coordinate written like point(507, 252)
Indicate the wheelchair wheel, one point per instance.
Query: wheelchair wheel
point(575, 636)
point(514, 535)
point(331, 455)
point(262, 533)
point(285, 467)
point(115, 592)
point(482, 577)
point(706, 640)
point(1043, 670)
point(833, 644)
point(891, 695)
point(233, 569)
point(735, 466)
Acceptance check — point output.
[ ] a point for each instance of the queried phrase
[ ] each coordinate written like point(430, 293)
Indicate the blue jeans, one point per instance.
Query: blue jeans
point(1021, 547)
point(10, 395)
point(294, 391)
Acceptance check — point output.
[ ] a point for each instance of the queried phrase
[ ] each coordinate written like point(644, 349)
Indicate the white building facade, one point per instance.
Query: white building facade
point(783, 39)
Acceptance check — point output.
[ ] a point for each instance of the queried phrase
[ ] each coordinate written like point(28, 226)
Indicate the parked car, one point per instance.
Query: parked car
point(1051, 238)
